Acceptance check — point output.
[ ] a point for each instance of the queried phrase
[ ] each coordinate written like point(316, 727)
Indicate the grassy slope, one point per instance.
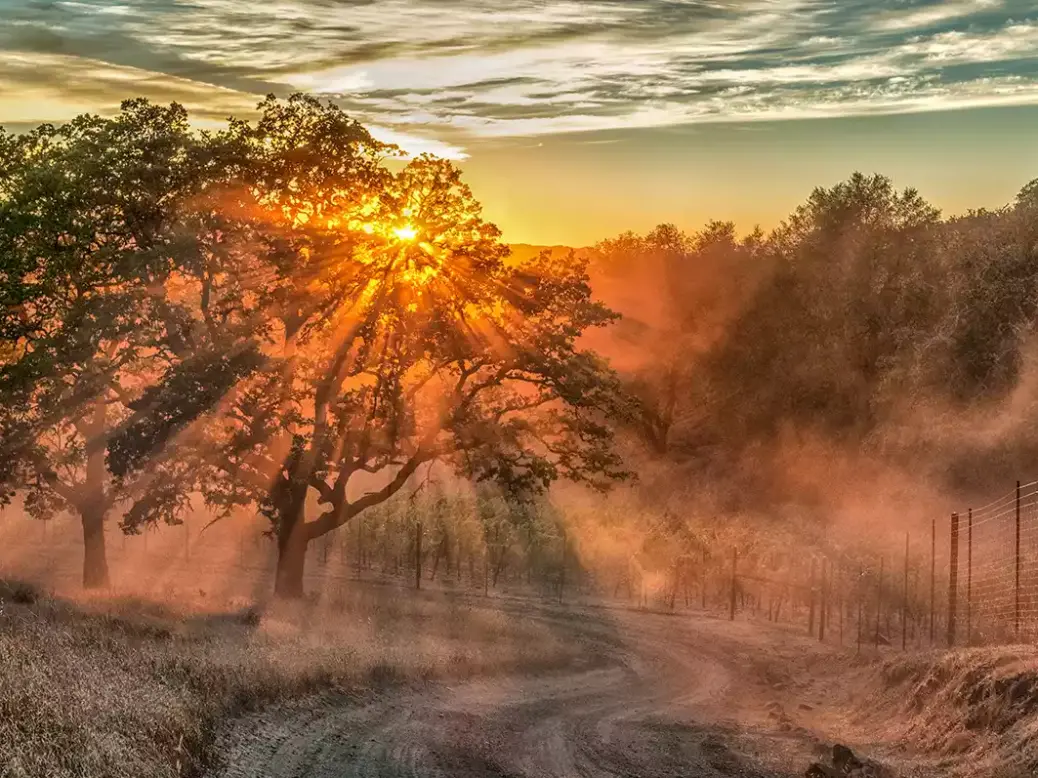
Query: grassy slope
point(975, 709)
point(128, 688)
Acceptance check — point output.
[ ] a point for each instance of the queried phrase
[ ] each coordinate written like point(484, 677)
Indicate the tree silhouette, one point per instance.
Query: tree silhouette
point(88, 237)
point(698, 283)
point(396, 335)
point(849, 295)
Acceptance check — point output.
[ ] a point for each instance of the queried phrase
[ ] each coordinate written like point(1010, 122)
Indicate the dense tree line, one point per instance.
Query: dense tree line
point(865, 319)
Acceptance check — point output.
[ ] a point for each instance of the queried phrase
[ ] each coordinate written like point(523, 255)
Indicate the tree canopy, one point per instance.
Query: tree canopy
point(91, 231)
point(265, 314)
point(860, 318)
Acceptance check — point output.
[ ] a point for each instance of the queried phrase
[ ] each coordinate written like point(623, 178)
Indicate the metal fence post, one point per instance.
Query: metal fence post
point(969, 579)
point(933, 572)
point(904, 602)
point(1016, 629)
point(735, 581)
point(953, 577)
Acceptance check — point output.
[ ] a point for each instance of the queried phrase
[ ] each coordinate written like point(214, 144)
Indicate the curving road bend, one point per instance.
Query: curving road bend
point(656, 695)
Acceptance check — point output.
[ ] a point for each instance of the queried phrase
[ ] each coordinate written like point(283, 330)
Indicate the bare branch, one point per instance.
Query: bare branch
point(422, 485)
point(336, 517)
point(125, 397)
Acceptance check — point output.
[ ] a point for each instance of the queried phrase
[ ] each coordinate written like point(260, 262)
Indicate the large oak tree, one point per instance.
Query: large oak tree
point(90, 232)
point(393, 333)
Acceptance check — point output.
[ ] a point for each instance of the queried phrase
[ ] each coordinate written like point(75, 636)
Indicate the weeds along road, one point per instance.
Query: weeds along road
point(653, 695)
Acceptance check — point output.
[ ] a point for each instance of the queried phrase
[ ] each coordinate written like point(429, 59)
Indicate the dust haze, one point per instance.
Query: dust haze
point(305, 467)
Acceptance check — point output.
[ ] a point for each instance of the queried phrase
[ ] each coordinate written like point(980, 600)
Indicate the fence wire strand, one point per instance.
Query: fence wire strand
point(996, 591)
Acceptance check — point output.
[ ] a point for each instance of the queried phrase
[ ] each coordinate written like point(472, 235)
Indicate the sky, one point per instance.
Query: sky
point(575, 121)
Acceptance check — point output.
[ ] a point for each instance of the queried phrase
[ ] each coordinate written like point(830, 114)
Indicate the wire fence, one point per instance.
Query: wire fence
point(971, 580)
point(993, 571)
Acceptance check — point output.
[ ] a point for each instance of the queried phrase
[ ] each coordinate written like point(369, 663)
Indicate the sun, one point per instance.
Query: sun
point(407, 232)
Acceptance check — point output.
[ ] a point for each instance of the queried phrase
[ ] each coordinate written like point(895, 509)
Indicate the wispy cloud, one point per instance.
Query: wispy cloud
point(434, 74)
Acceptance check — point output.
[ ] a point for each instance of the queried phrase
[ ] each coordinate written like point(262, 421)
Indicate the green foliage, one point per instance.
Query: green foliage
point(994, 304)
point(271, 316)
point(89, 235)
point(863, 308)
point(851, 293)
point(696, 284)
point(384, 350)
point(191, 389)
point(265, 312)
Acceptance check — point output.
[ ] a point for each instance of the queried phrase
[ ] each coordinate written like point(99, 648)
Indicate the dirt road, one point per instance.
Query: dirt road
point(653, 695)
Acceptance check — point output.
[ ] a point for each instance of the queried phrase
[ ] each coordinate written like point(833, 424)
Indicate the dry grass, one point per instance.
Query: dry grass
point(976, 709)
point(124, 687)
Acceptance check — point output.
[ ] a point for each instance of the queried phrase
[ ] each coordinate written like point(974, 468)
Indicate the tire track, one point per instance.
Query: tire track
point(660, 696)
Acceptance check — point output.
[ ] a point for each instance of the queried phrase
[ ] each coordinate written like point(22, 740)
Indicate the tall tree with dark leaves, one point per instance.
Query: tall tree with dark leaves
point(400, 337)
point(87, 238)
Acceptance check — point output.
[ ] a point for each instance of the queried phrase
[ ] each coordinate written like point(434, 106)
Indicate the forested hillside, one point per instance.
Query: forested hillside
point(867, 347)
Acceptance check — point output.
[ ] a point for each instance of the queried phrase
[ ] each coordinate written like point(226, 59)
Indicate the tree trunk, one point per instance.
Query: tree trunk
point(436, 560)
point(288, 581)
point(93, 506)
point(292, 543)
point(498, 566)
point(95, 563)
